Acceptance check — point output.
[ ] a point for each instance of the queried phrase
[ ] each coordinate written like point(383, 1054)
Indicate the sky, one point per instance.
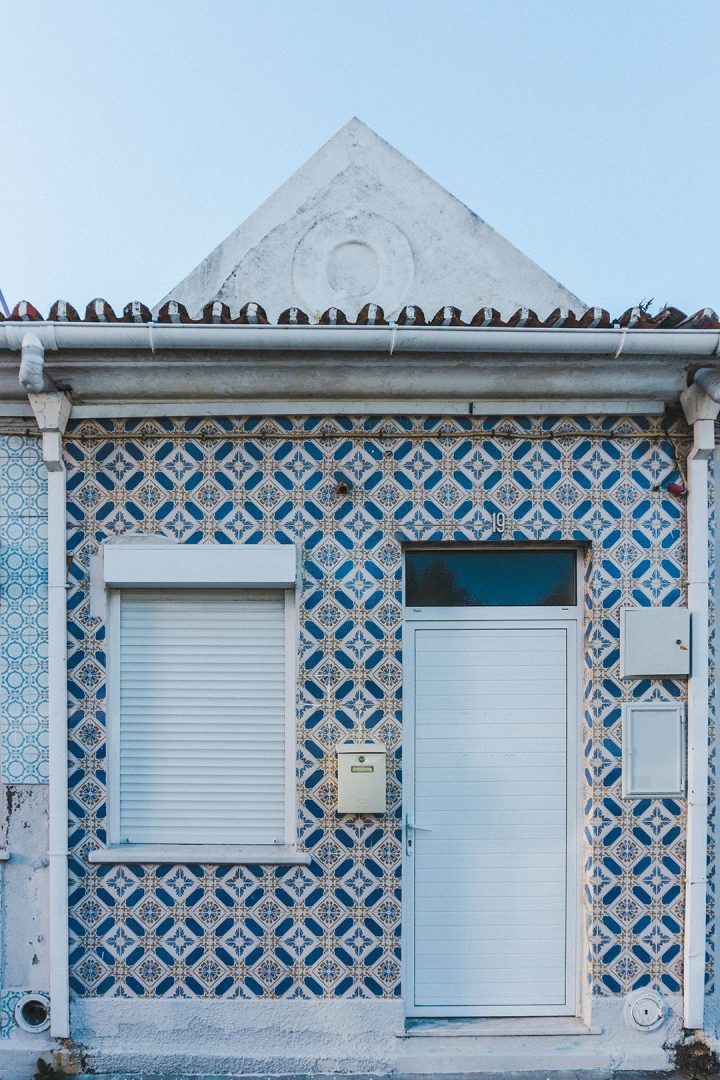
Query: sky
point(136, 134)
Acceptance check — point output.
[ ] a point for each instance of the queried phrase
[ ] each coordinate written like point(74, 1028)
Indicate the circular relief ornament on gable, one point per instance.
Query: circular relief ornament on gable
point(352, 258)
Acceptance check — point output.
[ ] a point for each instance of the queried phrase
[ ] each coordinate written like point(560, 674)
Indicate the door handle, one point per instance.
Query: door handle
point(410, 829)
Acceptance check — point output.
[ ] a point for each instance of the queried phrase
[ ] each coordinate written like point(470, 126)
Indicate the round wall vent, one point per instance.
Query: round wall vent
point(32, 1012)
point(645, 1011)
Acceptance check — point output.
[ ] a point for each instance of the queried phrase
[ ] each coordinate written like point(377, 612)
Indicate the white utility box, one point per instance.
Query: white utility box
point(362, 773)
point(653, 749)
point(654, 642)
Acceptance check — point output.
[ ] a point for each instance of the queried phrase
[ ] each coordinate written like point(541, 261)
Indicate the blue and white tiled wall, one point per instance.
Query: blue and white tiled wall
point(332, 929)
point(23, 640)
point(23, 610)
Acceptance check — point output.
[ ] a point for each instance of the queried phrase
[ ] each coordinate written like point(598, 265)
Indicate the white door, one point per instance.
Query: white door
point(490, 817)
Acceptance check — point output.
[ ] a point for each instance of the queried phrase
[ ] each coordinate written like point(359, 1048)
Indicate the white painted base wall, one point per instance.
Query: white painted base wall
point(280, 1037)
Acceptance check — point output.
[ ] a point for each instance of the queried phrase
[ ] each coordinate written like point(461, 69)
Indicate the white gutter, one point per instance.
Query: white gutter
point(52, 409)
point(701, 403)
point(390, 340)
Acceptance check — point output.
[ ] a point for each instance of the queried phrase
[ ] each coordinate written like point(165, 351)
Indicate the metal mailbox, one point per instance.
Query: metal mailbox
point(362, 773)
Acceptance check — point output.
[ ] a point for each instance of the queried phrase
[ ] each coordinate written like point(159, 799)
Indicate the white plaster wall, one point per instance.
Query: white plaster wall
point(352, 1036)
point(25, 887)
point(361, 223)
point(18, 1059)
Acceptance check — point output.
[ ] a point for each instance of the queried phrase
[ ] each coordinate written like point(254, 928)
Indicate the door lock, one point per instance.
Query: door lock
point(410, 829)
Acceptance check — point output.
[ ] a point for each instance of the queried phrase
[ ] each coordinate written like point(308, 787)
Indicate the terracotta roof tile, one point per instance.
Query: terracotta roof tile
point(635, 318)
point(668, 318)
point(487, 316)
point(173, 312)
point(216, 312)
point(62, 311)
point(252, 313)
point(523, 317)
point(371, 315)
point(562, 317)
point(293, 316)
point(448, 316)
point(704, 319)
point(411, 316)
point(333, 317)
point(25, 312)
point(99, 310)
point(136, 312)
point(595, 318)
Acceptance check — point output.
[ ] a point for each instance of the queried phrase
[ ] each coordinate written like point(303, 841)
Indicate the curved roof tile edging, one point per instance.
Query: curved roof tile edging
point(215, 312)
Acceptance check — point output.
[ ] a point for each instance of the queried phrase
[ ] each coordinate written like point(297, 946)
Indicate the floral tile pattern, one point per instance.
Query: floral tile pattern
point(8, 1001)
point(23, 610)
point(351, 490)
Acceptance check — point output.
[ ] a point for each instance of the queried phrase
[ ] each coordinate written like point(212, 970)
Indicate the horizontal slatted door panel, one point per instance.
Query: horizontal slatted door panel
point(202, 717)
point(490, 781)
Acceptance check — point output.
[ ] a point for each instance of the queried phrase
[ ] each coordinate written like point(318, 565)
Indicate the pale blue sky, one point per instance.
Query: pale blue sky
point(137, 133)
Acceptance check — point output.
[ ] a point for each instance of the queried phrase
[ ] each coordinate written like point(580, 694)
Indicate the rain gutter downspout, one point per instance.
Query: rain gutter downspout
point(701, 404)
point(52, 409)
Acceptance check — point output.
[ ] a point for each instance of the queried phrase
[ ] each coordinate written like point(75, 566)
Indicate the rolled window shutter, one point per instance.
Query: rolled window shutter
point(202, 717)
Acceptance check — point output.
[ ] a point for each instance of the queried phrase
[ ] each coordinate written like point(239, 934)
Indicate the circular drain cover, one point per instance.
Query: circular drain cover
point(645, 1012)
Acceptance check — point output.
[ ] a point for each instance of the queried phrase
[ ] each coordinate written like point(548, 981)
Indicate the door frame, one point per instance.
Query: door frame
point(570, 618)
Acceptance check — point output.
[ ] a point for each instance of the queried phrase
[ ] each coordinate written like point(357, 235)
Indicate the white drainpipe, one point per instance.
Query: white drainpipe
point(32, 366)
point(52, 409)
point(701, 403)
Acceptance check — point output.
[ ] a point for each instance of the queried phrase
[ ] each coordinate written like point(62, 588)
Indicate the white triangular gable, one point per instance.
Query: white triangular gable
point(359, 223)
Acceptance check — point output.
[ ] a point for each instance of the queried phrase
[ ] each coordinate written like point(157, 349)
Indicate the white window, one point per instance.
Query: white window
point(200, 703)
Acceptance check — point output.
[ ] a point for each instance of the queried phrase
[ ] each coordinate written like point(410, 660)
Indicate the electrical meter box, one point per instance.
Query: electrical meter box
point(654, 641)
point(362, 773)
point(653, 750)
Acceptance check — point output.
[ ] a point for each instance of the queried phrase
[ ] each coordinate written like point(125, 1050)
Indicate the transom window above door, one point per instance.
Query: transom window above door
point(491, 577)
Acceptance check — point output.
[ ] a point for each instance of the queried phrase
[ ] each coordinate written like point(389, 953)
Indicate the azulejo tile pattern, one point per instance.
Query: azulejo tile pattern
point(23, 610)
point(332, 928)
point(8, 1001)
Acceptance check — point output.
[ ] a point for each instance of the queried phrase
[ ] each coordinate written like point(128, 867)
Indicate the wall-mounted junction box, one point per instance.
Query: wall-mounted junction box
point(653, 749)
point(655, 642)
point(361, 778)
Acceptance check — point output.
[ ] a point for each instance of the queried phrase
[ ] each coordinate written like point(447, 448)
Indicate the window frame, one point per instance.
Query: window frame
point(507, 550)
point(263, 854)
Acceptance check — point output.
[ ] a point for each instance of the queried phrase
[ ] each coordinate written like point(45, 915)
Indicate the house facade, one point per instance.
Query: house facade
point(358, 674)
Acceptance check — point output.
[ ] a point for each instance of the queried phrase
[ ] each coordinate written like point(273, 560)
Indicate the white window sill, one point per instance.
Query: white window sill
point(216, 854)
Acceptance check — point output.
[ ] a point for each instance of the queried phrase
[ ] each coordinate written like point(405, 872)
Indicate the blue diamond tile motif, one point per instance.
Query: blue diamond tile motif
point(332, 929)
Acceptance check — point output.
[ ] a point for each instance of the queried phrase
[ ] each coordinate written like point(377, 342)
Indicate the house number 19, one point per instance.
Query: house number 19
point(499, 521)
